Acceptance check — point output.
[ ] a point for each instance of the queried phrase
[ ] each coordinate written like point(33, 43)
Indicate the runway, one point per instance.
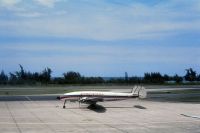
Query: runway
point(118, 117)
point(158, 113)
point(29, 98)
point(191, 98)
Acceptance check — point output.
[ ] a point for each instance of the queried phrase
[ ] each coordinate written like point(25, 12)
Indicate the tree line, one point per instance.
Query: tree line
point(23, 77)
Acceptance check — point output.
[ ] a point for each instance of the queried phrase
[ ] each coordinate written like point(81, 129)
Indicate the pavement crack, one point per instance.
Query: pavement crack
point(15, 121)
point(51, 129)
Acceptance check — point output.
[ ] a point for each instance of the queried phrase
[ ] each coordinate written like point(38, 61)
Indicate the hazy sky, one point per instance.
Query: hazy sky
point(100, 37)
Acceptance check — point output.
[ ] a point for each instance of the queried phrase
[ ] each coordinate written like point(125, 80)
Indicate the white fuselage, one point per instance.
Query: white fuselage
point(106, 96)
point(92, 97)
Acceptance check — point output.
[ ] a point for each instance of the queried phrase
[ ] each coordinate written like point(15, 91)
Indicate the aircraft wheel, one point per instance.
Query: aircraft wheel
point(63, 107)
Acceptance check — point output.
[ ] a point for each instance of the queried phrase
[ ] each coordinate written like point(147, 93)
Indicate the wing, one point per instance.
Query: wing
point(91, 100)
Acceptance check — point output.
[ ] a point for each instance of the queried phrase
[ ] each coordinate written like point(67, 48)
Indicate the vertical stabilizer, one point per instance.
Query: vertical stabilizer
point(140, 91)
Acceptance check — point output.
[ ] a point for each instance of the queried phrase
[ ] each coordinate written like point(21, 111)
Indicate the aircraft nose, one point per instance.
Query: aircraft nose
point(58, 97)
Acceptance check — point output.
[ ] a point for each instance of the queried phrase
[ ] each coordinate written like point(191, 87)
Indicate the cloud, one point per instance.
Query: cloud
point(9, 3)
point(99, 27)
point(29, 14)
point(105, 21)
point(47, 3)
point(100, 20)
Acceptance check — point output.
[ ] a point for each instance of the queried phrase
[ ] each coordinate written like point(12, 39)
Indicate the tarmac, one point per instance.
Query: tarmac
point(128, 116)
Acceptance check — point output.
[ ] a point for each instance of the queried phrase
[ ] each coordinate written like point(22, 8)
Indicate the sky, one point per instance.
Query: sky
point(100, 37)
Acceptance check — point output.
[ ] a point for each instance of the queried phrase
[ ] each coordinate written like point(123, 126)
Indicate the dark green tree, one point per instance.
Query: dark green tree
point(45, 76)
point(72, 77)
point(92, 80)
point(190, 75)
point(166, 77)
point(135, 80)
point(13, 78)
point(198, 77)
point(21, 75)
point(3, 78)
point(177, 79)
point(126, 77)
point(153, 77)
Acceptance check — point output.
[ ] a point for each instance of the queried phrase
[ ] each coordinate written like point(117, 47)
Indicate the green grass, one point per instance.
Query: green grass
point(191, 91)
point(28, 90)
point(190, 99)
point(33, 90)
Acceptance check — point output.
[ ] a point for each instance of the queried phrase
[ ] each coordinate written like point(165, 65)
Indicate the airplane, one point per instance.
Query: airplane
point(92, 97)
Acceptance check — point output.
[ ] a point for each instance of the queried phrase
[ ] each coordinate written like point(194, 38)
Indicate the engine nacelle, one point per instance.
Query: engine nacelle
point(83, 99)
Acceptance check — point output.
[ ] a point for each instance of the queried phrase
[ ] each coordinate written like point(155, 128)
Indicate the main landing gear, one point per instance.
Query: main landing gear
point(64, 104)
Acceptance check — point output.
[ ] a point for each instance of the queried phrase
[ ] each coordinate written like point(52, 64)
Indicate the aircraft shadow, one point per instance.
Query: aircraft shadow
point(140, 107)
point(135, 106)
point(101, 109)
point(97, 108)
point(119, 107)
